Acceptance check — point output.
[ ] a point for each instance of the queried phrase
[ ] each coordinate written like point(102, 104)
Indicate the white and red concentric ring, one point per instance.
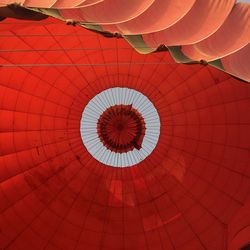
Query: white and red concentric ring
point(114, 97)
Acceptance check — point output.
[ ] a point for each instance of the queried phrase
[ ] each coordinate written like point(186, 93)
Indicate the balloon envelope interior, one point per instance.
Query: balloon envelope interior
point(190, 191)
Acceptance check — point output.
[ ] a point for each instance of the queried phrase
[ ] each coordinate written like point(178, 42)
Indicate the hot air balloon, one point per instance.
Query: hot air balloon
point(102, 147)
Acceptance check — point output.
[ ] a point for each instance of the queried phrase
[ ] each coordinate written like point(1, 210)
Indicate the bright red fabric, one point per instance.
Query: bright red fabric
point(55, 195)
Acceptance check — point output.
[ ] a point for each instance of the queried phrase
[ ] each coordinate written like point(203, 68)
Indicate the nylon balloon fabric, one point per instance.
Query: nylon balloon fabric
point(194, 31)
point(185, 184)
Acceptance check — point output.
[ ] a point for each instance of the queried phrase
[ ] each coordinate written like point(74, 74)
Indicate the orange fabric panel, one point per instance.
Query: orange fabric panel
point(205, 17)
point(38, 3)
point(108, 11)
point(160, 15)
point(238, 63)
point(233, 35)
point(67, 3)
point(90, 2)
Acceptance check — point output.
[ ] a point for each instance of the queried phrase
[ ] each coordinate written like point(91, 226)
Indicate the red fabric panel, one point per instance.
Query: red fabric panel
point(239, 229)
point(54, 195)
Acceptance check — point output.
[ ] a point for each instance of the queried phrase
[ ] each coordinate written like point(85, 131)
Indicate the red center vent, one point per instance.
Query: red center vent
point(121, 128)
